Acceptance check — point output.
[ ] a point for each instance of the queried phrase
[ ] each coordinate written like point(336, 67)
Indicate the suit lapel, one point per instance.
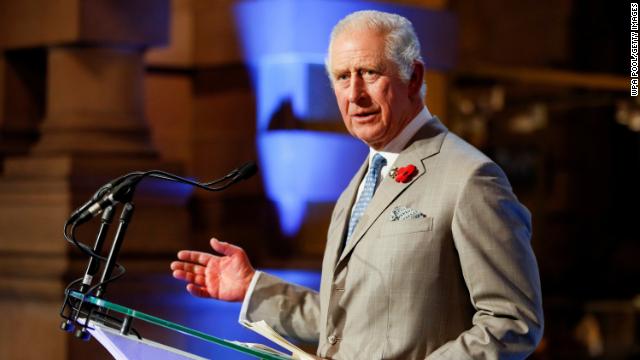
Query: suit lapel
point(425, 143)
point(343, 214)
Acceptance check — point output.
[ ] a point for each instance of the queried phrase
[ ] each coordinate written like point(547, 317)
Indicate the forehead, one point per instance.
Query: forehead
point(356, 49)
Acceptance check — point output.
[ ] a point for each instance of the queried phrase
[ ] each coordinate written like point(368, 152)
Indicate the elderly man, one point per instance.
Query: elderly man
point(428, 253)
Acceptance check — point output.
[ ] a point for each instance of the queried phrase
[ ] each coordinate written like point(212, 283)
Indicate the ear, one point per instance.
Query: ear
point(417, 79)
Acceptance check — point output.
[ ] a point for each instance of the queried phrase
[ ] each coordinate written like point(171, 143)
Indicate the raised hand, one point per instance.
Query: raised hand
point(225, 277)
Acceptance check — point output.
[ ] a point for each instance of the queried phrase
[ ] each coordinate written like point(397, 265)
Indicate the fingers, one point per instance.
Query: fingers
point(224, 248)
point(189, 272)
point(188, 267)
point(197, 257)
point(190, 277)
point(203, 258)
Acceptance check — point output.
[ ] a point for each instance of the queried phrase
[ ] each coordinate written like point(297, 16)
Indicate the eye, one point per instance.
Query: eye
point(342, 77)
point(369, 74)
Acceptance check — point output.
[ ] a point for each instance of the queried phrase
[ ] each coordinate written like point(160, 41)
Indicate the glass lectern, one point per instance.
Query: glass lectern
point(110, 324)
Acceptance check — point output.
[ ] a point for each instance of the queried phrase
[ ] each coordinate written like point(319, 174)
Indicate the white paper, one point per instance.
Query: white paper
point(262, 328)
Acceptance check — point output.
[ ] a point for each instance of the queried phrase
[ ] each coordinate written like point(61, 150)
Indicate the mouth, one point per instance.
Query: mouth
point(364, 116)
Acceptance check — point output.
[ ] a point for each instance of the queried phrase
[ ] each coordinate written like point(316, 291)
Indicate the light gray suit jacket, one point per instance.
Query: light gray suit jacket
point(459, 283)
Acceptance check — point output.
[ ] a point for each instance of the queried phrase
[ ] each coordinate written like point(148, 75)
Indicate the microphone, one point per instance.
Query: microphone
point(99, 194)
point(114, 194)
point(246, 171)
point(236, 175)
point(122, 188)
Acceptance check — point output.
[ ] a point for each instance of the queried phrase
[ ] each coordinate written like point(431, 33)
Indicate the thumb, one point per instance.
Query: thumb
point(224, 248)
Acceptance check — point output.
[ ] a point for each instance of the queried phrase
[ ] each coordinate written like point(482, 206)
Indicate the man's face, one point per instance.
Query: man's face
point(374, 102)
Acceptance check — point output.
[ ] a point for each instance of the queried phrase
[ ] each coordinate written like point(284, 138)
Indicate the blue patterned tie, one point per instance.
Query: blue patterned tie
point(370, 182)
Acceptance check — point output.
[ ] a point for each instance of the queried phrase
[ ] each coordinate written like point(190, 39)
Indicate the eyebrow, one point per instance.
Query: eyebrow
point(377, 67)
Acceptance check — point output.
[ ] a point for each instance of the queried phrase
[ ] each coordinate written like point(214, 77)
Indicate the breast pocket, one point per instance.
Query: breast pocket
point(407, 226)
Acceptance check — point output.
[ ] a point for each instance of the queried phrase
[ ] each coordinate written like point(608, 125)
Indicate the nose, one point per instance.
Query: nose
point(356, 89)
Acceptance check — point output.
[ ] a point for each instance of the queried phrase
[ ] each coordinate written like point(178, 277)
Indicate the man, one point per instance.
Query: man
point(428, 253)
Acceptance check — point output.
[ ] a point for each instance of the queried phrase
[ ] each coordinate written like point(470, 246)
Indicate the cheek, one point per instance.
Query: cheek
point(383, 97)
point(343, 106)
point(392, 102)
point(342, 101)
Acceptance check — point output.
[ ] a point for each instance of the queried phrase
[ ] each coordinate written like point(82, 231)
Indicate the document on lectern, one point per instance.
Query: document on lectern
point(262, 328)
point(129, 347)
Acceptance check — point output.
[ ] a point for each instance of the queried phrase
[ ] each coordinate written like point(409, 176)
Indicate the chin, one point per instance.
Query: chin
point(369, 140)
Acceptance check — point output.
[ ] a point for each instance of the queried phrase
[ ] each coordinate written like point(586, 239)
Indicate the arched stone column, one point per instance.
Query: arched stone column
point(93, 130)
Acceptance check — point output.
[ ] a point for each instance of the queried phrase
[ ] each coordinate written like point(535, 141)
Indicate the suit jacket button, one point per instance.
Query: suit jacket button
point(332, 339)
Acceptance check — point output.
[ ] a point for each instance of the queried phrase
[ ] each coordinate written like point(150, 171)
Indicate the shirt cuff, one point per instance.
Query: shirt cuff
point(247, 297)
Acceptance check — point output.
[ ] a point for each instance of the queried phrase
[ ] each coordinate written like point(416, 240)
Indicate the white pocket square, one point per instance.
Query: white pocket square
point(405, 213)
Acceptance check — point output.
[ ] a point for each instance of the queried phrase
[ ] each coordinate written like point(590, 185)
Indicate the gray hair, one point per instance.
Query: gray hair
point(402, 44)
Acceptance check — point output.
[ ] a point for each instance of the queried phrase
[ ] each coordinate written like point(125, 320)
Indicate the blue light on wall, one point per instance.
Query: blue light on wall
point(300, 166)
point(306, 166)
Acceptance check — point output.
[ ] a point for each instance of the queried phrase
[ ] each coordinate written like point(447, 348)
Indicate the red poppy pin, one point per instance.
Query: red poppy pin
point(403, 174)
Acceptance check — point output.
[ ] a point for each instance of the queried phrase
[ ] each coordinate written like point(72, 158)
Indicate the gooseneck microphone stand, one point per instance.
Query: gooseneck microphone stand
point(76, 312)
point(94, 263)
point(125, 218)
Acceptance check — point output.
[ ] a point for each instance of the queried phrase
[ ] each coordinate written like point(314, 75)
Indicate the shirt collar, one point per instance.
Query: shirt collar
point(397, 144)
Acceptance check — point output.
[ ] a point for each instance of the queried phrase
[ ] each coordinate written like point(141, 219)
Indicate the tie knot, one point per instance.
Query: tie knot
point(378, 162)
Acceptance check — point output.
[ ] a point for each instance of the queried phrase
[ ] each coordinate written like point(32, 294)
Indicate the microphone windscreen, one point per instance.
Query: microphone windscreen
point(247, 170)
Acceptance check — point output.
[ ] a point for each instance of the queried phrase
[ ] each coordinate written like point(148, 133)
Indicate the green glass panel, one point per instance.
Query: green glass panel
point(262, 354)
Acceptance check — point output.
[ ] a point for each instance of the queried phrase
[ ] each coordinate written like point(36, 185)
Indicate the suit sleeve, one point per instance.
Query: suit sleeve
point(291, 310)
point(492, 232)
